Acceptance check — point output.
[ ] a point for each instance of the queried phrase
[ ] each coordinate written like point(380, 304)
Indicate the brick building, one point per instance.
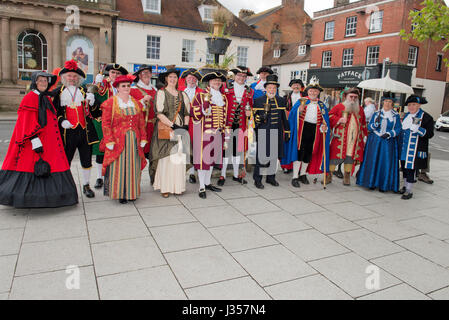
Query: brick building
point(287, 29)
point(352, 41)
point(35, 36)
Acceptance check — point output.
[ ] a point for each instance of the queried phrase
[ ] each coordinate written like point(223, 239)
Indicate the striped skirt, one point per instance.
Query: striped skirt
point(122, 180)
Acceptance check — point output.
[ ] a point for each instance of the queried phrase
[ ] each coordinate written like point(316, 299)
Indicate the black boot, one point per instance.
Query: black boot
point(259, 185)
point(202, 194)
point(295, 183)
point(212, 188)
point(221, 181)
point(192, 179)
point(304, 179)
point(407, 196)
point(274, 183)
point(98, 184)
point(88, 191)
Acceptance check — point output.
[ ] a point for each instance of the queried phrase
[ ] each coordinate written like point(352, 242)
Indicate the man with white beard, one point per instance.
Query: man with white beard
point(75, 121)
point(348, 123)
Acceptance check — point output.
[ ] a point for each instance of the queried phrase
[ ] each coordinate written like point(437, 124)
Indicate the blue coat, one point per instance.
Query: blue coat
point(380, 166)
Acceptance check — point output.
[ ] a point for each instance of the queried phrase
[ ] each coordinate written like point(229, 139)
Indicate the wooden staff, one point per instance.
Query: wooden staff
point(324, 150)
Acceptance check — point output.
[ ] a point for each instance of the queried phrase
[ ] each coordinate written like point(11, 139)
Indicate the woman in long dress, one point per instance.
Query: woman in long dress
point(167, 156)
point(123, 124)
point(36, 136)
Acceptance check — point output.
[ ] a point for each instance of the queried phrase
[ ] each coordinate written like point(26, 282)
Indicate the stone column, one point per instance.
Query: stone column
point(56, 46)
point(6, 51)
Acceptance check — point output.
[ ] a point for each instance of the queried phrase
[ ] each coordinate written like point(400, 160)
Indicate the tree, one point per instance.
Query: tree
point(431, 22)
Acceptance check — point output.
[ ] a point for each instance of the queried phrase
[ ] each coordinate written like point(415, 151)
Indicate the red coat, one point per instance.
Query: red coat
point(338, 146)
point(20, 156)
point(150, 115)
point(115, 125)
point(247, 99)
point(197, 90)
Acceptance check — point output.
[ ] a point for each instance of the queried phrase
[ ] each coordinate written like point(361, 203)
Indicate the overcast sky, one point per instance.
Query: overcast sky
point(261, 5)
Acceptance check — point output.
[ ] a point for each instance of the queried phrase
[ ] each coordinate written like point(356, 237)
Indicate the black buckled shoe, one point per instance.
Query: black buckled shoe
point(239, 180)
point(88, 191)
point(407, 196)
point(274, 183)
point(402, 191)
point(99, 184)
point(212, 188)
point(192, 179)
point(259, 185)
point(303, 179)
point(202, 194)
point(221, 181)
point(295, 183)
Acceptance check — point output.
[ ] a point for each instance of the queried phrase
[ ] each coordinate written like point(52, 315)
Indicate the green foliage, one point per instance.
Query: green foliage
point(432, 22)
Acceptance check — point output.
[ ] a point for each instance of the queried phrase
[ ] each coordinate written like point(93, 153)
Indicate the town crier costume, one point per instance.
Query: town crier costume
point(348, 123)
point(208, 114)
point(125, 136)
point(73, 105)
point(240, 104)
point(310, 136)
point(188, 82)
point(105, 91)
point(272, 129)
point(259, 86)
point(36, 138)
point(145, 93)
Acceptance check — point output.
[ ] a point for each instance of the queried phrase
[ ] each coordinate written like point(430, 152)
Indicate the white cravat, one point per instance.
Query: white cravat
point(144, 86)
point(387, 116)
point(70, 95)
point(123, 105)
point(295, 98)
point(260, 86)
point(408, 121)
point(190, 92)
point(238, 91)
point(217, 98)
point(312, 113)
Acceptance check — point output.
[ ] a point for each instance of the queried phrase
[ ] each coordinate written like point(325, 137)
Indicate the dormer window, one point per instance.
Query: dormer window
point(277, 53)
point(151, 6)
point(302, 50)
point(207, 12)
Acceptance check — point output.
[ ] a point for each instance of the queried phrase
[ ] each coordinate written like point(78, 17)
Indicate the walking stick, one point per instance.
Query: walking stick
point(245, 142)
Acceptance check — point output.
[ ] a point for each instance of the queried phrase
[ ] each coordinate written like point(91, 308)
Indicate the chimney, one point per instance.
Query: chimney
point(276, 34)
point(244, 13)
point(293, 3)
point(339, 3)
point(307, 32)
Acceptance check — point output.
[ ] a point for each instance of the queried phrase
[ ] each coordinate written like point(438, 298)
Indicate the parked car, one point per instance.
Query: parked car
point(442, 122)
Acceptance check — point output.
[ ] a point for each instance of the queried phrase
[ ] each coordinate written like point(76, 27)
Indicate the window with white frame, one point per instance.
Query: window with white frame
point(153, 47)
point(277, 53)
point(276, 71)
point(242, 56)
point(327, 59)
point(376, 21)
point(302, 50)
point(348, 57)
point(299, 74)
point(152, 6)
point(412, 56)
point(439, 62)
point(372, 56)
point(329, 32)
point(188, 50)
point(351, 26)
point(208, 12)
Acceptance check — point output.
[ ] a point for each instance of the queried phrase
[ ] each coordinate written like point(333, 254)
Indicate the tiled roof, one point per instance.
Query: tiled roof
point(251, 20)
point(289, 55)
point(183, 14)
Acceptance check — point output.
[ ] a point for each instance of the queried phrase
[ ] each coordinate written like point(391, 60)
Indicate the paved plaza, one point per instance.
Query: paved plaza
point(243, 243)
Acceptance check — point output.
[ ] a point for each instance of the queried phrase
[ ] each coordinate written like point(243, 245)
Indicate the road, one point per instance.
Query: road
point(439, 145)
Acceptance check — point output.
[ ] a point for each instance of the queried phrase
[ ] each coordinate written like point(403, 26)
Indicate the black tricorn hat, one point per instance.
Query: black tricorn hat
point(241, 69)
point(265, 69)
point(193, 72)
point(416, 99)
point(162, 76)
point(299, 81)
point(388, 96)
point(72, 66)
point(214, 75)
point(142, 68)
point(117, 67)
point(272, 79)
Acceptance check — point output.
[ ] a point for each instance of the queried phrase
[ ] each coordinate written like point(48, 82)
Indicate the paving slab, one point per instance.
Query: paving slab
point(203, 266)
point(349, 272)
point(126, 255)
point(430, 226)
point(7, 267)
point(165, 216)
point(193, 201)
point(182, 237)
point(109, 209)
point(235, 191)
point(439, 214)
point(430, 248)
point(399, 292)
point(105, 230)
point(327, 222)
point(155, 199)
point(253, 205)
point(442, 294)
point(311, 245)
point(218, 216)
point(314, 287)
point(236, 289)
point(53, 228)
point(56, 286)
point(322, 197)
point(297, 206)
point(10, 241)
point(13, 218)
point(243, 236)
point(351, 211)
point(415, 271)
point(278, 222)
point(389, 228)
point(156, 283)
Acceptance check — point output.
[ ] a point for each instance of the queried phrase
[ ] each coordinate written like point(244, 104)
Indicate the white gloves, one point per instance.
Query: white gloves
point(90, 97)
point(36, 143)
point(110, 147)
point(99, 78)
point(143, 144)
point(414, 128)
point(66, 124)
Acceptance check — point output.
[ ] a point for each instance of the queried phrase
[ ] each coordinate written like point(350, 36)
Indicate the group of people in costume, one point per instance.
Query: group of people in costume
point(182, 130)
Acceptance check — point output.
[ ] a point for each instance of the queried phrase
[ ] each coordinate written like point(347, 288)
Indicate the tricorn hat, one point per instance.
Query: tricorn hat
point(217, 74)
point(299, 81)
point(162, 75)
point(272, 79)
point(351, 91)
point(193, 72)
point(142, 68)
point(388, 96)
point(117, 67)
point(120, 79)
point(416, 99)
point(241, 69)
point(265, 69)
point(72, 66)
point(314, 84)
